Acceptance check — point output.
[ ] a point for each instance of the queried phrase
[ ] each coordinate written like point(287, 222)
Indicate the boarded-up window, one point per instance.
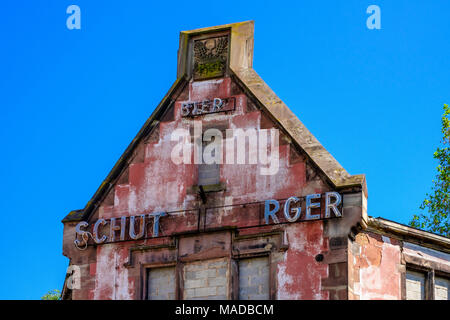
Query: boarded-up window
point(209, 173)
point(254, 279)
point(161, 283)
point(206, 280)
point(415, 285)
point(441, 289)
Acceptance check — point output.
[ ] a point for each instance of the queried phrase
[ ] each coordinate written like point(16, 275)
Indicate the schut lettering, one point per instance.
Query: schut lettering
point(122, 227)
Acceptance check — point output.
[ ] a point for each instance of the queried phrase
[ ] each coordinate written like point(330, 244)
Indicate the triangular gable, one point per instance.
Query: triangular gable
point(241, 71)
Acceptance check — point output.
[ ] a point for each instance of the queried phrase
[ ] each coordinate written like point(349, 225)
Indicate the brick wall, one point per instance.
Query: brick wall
point(206, 280)
point(337, 280)
point(254, 279)
point(161, 283)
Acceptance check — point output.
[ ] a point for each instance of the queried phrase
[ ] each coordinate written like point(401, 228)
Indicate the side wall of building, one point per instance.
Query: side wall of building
point(375, 268)
point(380, 263)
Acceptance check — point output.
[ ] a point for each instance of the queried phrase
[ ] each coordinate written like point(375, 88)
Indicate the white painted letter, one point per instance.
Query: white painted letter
point(229, 147)
point(184, 146)
point(213, 151)
point(274, 157)
point(74, 278)
point(198, 154)
point(240, 135)
point(73, 21)
point(374, 21)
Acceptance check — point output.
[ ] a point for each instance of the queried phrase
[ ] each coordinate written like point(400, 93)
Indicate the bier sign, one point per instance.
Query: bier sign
point(192, 109)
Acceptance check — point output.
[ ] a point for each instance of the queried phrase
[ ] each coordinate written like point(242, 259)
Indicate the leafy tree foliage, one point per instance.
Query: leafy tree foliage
point(52, 295)
point(438, 202)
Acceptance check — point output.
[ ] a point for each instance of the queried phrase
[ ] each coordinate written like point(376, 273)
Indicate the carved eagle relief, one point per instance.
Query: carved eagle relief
point(210, 57)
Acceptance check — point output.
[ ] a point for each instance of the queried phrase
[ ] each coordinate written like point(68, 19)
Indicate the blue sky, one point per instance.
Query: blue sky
point(72, 100)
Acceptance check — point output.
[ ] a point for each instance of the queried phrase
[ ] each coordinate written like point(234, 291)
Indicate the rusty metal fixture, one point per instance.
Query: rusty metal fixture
point(81, 245)
point(156, 216)
point(95, 231)
point(202, 193)
point(141, 233)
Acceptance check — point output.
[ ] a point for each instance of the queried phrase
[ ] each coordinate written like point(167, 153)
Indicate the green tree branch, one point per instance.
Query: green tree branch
point(438, 202)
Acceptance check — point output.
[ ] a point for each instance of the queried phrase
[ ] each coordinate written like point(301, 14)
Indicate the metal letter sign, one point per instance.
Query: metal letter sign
point(115, 226)
point(312, 208)
point(316, 206)
point(192, 109)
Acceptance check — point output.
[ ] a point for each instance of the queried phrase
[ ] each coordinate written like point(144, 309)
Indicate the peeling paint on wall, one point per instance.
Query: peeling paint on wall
point(299, 275)
point(379, 274)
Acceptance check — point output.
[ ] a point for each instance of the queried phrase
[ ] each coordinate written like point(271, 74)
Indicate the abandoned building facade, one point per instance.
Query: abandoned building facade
point(289, 225)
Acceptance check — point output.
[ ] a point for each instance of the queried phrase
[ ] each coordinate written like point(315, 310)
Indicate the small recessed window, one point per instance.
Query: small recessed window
point(206, 280)
point(209, 173)
point(254, 279)
point(441, 289)
point(161, 283)
point(415, 285)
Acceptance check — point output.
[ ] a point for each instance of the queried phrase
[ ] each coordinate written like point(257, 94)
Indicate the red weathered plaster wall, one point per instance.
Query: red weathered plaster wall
point(299, 275)
point(153, 182)
point(375, 268)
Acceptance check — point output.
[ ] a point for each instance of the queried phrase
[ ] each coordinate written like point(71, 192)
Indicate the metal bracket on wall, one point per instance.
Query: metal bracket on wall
point(202, 194)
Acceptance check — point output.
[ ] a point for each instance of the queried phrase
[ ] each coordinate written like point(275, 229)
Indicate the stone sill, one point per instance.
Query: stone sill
point(209, 188)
